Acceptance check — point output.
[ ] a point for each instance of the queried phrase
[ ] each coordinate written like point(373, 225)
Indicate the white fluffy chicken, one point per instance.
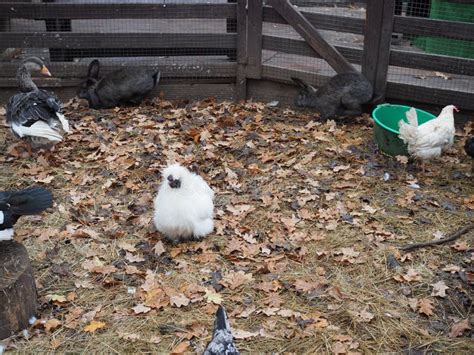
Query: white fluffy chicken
point(184, 207)
point(430, 139)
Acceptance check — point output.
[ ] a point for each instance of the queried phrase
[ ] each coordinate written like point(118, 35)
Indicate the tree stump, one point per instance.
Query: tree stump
point(17, 289)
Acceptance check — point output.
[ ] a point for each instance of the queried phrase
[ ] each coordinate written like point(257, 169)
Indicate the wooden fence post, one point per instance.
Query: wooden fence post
point(241, 75)
point(377, 38)
point(254, 35)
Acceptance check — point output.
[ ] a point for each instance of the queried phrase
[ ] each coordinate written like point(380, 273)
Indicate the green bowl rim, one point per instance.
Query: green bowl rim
point(404, 106)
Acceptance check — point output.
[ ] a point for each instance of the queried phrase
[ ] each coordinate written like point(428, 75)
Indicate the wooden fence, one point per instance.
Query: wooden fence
point(243, 49)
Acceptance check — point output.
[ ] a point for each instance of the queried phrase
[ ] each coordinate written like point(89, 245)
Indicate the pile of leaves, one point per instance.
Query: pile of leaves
point(309, 218)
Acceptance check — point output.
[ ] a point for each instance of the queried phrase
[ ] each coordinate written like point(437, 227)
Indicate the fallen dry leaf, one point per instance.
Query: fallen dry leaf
point(425, 306)
point(180, 348)
point(179, 300)
point(93, 326)
point(51, 324)
point(459, 328)
point(439, 289)
point(141, 309)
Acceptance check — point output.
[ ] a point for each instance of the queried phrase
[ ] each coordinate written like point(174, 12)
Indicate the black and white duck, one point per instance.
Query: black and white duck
point(35, 114)
point(14, 204)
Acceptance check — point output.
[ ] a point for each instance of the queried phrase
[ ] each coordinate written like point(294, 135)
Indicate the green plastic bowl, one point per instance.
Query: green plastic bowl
point(386, 117)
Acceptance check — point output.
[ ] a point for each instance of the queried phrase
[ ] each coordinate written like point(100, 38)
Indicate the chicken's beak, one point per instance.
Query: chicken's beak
point(45, 71)
point(456, 109)
point(175, 184)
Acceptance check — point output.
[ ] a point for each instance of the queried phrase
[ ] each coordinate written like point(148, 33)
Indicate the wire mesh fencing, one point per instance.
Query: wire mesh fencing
point(433, 44)
point(187, 39)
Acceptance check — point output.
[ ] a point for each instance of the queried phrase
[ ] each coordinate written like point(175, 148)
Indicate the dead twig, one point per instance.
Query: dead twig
point(453, 236)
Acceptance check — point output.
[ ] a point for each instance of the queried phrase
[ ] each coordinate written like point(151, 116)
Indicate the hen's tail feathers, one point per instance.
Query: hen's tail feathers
point(38, 129)
point(30, 201)
point(408, 130)
point(412, 117)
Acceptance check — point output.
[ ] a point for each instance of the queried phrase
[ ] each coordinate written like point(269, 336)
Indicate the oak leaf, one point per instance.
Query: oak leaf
point(93, 326)
point(425, 306)
point(458, 328)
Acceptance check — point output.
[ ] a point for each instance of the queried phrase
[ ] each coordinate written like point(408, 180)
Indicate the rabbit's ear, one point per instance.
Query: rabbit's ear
point(93, 69)
point(307, 88)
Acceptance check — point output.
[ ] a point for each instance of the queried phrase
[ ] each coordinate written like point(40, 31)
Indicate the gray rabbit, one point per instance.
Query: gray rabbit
point(343, 95)
point(124, 86)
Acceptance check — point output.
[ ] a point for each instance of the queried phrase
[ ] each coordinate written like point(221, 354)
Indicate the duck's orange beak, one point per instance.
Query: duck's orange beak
point(45, 71)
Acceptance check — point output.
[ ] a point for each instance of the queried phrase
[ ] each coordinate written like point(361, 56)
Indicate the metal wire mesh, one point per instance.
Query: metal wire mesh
point(186, 43)
point(308, 64)
point(444, 43)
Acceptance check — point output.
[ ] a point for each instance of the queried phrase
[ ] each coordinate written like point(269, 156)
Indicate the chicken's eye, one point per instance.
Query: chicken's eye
point(170, 177)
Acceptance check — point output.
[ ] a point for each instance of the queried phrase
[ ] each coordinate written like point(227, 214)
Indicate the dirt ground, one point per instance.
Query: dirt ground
point(305, 254)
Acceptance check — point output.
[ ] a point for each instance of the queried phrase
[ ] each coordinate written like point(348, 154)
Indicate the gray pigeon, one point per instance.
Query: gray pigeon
point(222, 342)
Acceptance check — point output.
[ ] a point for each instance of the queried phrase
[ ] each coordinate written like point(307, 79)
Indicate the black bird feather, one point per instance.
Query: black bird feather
point(469, 146)
point(14, 204)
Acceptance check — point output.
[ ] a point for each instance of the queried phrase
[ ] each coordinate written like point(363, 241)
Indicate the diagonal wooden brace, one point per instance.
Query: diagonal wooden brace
point(311, 35)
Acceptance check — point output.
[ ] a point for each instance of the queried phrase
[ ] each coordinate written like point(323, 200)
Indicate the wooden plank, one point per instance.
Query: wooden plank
point(433, 27)
point(373, 24)
point(170, 91)
point(432, 96)
point(433, 62)
point(241, 79)
point(56, 82)
point(311, 35)
point(254, 35)
point(320, 21)
point(378, 35)
point(118, 40)
point(40, 11)
point(397, 57)
point(385, 39)
point(299, 47)
point(178, 70)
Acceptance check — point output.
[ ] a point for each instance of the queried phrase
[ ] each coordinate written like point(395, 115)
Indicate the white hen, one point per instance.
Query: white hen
point(184, 207)
point(430, 139)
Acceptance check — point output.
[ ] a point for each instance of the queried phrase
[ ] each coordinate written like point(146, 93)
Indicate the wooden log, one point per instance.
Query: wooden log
point(294, 17)
point(17, 289)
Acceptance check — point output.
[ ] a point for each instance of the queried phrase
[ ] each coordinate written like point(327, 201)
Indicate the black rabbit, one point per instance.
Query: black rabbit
point(343, 95)
point(124, 86)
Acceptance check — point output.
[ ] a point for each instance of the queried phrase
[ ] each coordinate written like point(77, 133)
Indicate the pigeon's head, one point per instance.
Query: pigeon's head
point(175, 175)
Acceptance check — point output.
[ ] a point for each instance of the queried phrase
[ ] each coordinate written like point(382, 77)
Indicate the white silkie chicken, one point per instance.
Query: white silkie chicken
point(430, 139)
point(184, 207)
